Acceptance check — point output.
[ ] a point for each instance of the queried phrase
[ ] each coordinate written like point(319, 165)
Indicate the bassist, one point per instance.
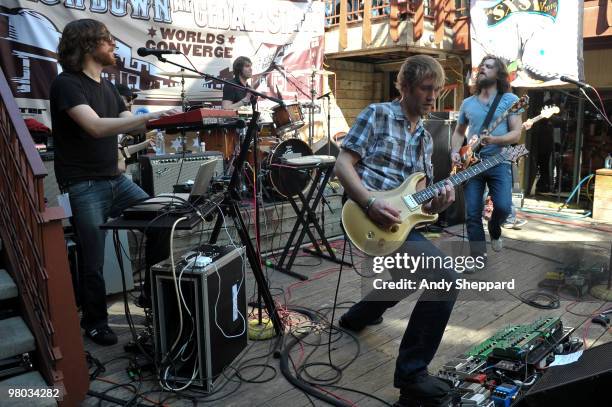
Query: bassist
point(491, 94)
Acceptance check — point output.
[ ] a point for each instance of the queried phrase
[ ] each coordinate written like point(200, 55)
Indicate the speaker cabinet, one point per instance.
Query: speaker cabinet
point(576, 383)
point(442, 131)
point(159, 173)
point(321, 148)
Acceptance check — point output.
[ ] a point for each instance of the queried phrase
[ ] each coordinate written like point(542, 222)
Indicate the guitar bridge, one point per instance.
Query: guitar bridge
point(410, 203)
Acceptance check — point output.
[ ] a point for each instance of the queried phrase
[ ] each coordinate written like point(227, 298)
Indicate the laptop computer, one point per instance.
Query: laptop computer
point(154, 207)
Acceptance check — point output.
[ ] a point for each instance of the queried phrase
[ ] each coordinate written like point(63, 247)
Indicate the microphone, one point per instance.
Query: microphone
point(143, 52)
point(324, 95)
point(564, 78)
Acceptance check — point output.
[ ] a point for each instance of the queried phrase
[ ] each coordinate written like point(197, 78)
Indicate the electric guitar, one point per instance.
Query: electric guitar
point(127, 151)
point(468, 153)
point(545, 113)
point(375, 241)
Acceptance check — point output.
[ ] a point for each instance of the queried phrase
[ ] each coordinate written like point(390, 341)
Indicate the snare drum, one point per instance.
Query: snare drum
point(287, 118)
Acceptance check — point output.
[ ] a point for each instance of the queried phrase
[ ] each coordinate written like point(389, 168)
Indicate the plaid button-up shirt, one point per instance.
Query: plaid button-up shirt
point(389, 151)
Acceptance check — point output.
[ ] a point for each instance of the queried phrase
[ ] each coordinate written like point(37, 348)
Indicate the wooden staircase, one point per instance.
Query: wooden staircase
point(38, 314)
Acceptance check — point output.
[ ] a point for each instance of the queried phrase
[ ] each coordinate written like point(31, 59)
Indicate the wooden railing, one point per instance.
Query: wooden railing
point(33, 238)
point(342, 14)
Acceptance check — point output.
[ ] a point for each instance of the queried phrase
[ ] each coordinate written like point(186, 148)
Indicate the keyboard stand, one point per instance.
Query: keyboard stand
point(230, 205)
point(306, 216)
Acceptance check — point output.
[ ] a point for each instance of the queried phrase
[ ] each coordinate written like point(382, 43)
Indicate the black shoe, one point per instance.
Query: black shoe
point(425, 390)
point(348, 326)
point(102, 336)
point(143, 301)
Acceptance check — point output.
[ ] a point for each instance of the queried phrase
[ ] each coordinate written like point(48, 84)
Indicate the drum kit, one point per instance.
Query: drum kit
point(277, 140)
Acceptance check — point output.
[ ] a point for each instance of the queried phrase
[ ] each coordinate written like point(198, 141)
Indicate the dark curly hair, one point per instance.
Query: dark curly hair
point(503, 83)
point(79, 38)
point(239, 64)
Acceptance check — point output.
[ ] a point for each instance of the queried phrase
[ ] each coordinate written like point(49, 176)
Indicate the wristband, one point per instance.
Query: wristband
point(369, 204)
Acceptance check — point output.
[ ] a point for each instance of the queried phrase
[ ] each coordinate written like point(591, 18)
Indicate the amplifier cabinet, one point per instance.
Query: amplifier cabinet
point(159, 173)
point(213, 305)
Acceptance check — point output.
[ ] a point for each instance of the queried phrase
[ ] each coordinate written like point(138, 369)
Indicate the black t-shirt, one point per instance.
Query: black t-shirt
point(78, 155)
point(233, 93)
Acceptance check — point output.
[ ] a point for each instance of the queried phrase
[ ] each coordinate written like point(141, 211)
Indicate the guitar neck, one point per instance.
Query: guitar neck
point(490, 129)
point(457, 179)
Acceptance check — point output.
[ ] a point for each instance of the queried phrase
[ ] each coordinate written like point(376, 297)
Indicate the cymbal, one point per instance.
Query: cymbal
point(315, 71)
point(180, 74)
point(249, 111)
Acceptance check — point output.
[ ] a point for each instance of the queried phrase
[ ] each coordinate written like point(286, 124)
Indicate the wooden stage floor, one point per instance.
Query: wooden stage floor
point(371, 371)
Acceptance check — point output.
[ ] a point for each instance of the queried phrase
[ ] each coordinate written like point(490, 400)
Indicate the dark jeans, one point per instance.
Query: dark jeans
point(427, 321)
point(93, 202)
point(499, 181)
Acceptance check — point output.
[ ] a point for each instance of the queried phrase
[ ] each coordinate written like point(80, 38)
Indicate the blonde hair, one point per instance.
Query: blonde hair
point(418, 68)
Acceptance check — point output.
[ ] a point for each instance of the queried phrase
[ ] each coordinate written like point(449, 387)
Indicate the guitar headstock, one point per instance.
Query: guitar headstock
point(548, 111)
point(514, 153)
point(520, 105)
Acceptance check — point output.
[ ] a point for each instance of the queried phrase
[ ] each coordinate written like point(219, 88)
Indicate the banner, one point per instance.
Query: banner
point(539, 40)
point(210, 33)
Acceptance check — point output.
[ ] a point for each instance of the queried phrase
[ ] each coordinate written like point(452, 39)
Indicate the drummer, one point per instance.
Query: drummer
point(234, 98)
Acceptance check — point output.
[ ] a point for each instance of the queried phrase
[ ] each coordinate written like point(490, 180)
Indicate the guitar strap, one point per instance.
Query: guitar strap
point(491, 112)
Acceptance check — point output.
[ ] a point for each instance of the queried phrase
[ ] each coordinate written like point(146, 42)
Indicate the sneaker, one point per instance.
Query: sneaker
point(344, 324)
point(508, 224)
point(497, 244)
point(474, 268)
point(102, 336)
point(519, 223)
point(425, 390)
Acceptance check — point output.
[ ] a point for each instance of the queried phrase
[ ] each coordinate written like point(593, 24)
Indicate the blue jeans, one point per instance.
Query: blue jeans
point(427, 321)
point(499, 181)
point(93, 202)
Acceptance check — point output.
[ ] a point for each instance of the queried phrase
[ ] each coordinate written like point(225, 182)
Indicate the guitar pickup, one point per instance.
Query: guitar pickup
point(410, 203)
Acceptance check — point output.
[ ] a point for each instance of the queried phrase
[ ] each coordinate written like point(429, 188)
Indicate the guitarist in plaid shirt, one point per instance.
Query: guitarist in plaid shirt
point(386, 144)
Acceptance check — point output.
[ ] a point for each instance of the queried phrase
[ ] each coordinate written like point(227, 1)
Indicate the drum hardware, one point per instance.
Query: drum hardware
point(231, 205)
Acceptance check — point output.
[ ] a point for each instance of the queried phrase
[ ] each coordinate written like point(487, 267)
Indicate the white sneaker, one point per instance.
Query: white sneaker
point(519, 223)
point(497, 244)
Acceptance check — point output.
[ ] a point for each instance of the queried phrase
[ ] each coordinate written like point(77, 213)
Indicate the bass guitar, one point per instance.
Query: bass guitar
point(375, 241)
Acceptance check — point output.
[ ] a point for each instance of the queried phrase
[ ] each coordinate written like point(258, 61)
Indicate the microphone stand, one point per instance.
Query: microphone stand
point(232, 198)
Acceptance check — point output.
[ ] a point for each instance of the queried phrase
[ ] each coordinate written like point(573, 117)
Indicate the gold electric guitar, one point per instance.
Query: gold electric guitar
point(372, 240)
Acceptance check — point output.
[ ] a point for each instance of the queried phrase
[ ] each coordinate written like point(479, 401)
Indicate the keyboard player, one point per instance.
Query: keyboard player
point(87, 114)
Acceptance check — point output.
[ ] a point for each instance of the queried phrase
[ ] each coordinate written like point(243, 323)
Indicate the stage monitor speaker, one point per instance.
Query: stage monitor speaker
point(321, 148)
point(214, 313)
point(159, 173)
point(441, 132)
point(576, 383)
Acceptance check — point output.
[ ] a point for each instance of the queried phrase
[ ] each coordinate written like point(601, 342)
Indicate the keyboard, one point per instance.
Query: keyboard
point(198, 118)
point(164, 206)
